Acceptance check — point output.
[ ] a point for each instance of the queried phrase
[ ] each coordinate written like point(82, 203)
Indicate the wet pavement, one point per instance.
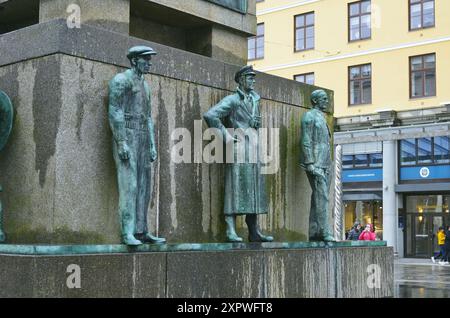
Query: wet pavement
point(420, 278)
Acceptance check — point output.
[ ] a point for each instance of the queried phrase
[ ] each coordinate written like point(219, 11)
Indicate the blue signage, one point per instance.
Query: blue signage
point(425, 172)
point(362, 175)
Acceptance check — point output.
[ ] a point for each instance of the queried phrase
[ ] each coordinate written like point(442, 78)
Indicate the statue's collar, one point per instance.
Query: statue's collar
point(319, 110)
point(136, 75)
point(253, 94)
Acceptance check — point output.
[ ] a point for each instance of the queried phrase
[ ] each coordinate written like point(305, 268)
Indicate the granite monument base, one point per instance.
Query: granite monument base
point(344, 269)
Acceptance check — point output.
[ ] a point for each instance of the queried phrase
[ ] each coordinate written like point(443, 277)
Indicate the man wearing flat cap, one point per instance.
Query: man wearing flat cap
point(244, 183)
point(134, 147)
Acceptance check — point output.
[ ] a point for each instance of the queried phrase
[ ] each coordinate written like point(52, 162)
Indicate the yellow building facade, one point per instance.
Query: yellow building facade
point(388, 49)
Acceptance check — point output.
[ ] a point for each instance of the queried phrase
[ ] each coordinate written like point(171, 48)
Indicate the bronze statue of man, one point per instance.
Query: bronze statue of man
point(244, 183)
point(6, 123)
point(134, 146)
point(316, 160)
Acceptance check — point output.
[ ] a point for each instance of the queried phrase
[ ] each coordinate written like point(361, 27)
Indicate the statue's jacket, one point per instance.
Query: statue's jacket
point(315, 141)
point(244, 184)
point(130, 121)
point(130, 115)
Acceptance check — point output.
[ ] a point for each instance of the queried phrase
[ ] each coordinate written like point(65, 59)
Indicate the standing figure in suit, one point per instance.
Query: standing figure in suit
point(316, 160)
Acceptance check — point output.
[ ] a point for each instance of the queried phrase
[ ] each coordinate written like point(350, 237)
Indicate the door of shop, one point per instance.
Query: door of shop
point(422, 234)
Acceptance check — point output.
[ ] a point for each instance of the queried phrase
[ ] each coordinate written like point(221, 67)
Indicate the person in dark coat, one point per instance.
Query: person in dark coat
point(354, 233)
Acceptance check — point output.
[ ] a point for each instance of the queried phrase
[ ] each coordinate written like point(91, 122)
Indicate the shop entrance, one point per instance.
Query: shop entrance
point(422, 234)
point(422, 225)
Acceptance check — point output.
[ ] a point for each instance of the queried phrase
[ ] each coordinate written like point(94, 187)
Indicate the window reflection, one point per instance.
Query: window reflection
point(365, 212)
point(442, 149)
point(373, 160)
point(408, 152)
point(419, 151)
point(427, 204)
point(424, 150)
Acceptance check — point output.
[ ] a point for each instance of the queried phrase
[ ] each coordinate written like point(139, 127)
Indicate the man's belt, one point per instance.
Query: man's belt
point(138, 122)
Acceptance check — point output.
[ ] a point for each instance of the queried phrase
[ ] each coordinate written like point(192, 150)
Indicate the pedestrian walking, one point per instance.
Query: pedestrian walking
point(445, 260)
point(441, 244)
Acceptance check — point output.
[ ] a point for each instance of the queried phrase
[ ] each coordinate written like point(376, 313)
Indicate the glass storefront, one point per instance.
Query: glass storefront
point(365, 212)
point(424, 215)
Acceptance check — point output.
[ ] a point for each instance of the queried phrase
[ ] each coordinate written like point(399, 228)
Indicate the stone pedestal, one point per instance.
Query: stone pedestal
point(305, 270)
point(113, 15)
point(199, 26)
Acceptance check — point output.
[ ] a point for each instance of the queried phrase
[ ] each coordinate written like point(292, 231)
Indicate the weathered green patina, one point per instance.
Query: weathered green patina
point(236, 5)
point(245, 190)
point(151, 248)
point(134, 146)
point(6, 121)
point(2, 234)
point(316, 160)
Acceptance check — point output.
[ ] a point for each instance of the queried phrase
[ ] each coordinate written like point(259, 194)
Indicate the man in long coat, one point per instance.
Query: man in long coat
point(316, 160)
point(244, 183)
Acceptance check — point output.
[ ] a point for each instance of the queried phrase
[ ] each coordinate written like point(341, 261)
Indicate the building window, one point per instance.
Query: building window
point(361, 161)
point(360, 84)
point(256, 44)
point(365, 212)
point(408, 152)
point(425, 150)
point(376, 160)
point(304, 32)
point(359, 20)
point(423, 75)
point(442, 149)
point(373, 160)
point(431, 150)
point(307, 78)
point(347, 162)
point(421, 14)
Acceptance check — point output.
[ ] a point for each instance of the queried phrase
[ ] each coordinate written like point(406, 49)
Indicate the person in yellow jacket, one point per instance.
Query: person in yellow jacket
point(441, 244)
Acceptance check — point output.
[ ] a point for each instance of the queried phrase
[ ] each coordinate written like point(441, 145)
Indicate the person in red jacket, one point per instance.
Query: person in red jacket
point(368, 234)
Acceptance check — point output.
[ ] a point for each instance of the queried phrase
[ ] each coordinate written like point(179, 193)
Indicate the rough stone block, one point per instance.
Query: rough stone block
point(364, 265)
point(113, 15)
point(228, 274)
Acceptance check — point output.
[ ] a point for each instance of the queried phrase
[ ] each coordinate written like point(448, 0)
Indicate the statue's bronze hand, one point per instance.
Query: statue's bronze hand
point(124, 151)
point(229, 138)
point(257, 122)
point(153, 155)
point(310, 168)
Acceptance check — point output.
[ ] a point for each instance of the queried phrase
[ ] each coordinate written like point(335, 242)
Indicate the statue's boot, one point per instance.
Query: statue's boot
point(148, 238)
point(130, 240)
point(231, 229)
point(254, 234)
point(2, 237)
point(329, 238)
